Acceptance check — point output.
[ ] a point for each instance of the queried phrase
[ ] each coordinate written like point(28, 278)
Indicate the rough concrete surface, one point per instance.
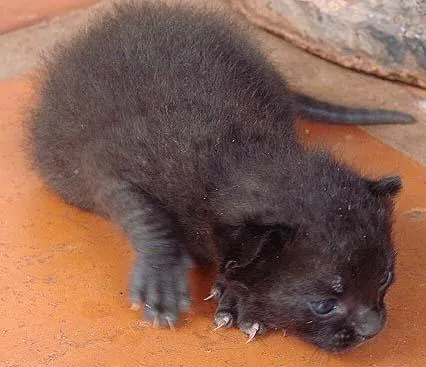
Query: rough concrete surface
point(20, 13)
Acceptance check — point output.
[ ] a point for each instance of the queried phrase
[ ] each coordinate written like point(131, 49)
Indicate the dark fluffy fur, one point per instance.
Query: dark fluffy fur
point(170, 122)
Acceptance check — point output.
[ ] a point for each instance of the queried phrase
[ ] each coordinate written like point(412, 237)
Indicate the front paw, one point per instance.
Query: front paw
point(232, 311)
point(163, 290)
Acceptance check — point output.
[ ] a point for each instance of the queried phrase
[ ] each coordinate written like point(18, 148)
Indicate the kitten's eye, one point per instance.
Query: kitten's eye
point(324, 307)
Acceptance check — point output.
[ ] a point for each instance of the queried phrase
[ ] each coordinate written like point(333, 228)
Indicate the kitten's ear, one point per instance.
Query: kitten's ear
point(259, 241)
point(385, 187)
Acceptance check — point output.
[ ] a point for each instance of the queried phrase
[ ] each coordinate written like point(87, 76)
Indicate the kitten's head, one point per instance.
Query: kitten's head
point(324, 280)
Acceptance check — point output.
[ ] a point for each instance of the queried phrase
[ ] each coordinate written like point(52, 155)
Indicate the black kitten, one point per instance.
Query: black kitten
point(171, 123)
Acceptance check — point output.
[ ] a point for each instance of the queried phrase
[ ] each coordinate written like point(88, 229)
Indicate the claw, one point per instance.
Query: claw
point(253, 331)
point(135, 306)
point(171, 325)
point(209, 297)
point(214, 293)
point(222, 324)
point(156, 322)
point(225, 321)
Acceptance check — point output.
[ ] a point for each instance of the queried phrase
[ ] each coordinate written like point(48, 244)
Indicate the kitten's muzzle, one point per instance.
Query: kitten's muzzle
point(369, 322)
point(365, 323)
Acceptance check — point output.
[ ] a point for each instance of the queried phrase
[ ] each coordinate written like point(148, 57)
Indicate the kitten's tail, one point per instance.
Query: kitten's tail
point(324, 112)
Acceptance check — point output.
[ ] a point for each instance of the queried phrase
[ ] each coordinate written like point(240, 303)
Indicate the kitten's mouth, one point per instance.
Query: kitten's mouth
point(339, 348)
point(345, 348)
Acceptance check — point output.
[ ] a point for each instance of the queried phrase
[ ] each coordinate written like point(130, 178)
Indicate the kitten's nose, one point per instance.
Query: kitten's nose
point(369, 322)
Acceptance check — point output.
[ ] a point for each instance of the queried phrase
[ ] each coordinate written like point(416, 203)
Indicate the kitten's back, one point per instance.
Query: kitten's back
point(161, 85)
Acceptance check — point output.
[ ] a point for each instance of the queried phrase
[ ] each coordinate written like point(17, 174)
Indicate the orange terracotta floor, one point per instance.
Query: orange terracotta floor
point(64, 273)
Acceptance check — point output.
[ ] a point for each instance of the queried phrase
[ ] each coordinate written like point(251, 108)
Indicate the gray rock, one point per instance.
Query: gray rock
point(381, 37)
